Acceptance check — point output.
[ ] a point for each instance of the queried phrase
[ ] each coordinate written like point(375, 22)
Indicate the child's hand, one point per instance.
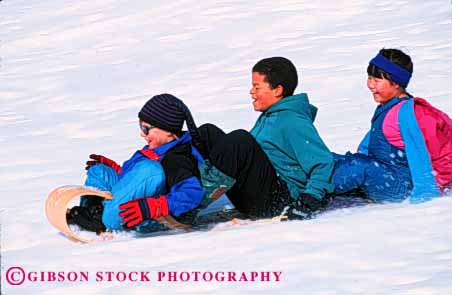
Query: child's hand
point(136, 211)
point(98, 159)
point(303, 207)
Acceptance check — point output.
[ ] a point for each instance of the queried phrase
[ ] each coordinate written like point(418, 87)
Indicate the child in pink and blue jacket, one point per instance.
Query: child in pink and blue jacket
point(407, 153)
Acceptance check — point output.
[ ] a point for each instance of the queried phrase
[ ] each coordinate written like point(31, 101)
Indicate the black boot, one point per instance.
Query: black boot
point(88, 218)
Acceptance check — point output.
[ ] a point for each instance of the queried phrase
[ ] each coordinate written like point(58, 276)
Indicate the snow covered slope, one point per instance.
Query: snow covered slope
point(73, 76)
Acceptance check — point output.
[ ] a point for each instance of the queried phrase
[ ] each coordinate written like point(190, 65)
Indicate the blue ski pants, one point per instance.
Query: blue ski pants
point(379, 181)
point(146, 178)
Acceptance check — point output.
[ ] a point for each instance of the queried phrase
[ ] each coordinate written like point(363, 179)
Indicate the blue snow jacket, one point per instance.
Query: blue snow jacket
point(287, 135)
point(379, 169)
point(417, 159)
point(173, 173)
point(182, 186)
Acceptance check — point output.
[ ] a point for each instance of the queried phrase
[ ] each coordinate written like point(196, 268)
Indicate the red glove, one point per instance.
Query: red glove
point(98, 159)
point(139, 210)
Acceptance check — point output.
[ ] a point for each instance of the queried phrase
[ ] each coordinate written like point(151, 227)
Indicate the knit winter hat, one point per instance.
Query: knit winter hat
point(168, 112)
point(164, 111)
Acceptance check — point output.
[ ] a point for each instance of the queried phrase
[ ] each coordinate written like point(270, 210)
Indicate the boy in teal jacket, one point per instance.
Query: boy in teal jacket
point(287, 135)
point(282, 165)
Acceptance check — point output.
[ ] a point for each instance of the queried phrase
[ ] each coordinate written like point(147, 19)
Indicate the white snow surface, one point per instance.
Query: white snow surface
point(73, 76)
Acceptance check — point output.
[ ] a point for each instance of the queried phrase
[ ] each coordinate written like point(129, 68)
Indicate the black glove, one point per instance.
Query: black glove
point(304, 207)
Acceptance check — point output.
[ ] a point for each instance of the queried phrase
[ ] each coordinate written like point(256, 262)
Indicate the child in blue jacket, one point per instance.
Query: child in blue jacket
point(158, 180)
point(408, 151)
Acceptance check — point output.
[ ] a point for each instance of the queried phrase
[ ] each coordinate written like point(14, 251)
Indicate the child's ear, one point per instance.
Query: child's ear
point(279, 90)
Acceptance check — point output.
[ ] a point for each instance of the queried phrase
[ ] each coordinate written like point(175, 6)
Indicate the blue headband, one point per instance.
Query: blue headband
point(398, 74)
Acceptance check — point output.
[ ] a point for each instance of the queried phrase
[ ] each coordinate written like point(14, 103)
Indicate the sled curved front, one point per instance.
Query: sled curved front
point(57, 206)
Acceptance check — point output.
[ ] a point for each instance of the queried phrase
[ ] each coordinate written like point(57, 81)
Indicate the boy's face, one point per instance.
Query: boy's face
point(156, 136)
point(383, 90)
point(262, 94)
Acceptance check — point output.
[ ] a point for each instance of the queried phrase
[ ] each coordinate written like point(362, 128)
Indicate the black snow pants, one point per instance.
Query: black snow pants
point(258, 191)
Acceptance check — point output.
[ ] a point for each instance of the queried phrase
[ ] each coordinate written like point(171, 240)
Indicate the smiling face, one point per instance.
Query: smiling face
point(263, 95)
point(384, 90)
point(155, 136)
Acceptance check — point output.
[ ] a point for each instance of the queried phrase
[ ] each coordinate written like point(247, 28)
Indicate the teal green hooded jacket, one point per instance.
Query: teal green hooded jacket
point(287, 135)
